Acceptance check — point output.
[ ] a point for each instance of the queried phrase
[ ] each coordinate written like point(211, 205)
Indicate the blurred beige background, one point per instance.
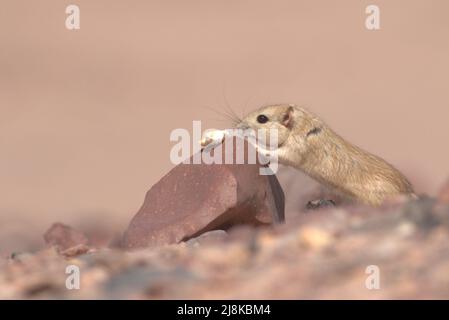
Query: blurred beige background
point(85, 115)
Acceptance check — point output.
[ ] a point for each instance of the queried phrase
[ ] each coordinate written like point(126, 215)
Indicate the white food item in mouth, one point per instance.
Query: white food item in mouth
point(212, 138)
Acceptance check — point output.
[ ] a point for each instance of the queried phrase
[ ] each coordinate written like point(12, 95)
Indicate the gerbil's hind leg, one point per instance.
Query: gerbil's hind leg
point(320, 204)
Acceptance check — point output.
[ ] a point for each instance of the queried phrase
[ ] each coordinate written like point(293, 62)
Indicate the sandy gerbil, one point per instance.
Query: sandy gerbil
point(306, 143)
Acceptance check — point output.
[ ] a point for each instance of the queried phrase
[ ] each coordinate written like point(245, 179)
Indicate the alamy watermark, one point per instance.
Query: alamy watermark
point(261, 147)
point(72, 22)
point(72, 281)
point(372, 21)
point(372, 282)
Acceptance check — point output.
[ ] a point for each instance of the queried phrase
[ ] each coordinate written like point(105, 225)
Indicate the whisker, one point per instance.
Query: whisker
point(232, 113)
point(245, 106)
point(228, 117)
point(235, 120)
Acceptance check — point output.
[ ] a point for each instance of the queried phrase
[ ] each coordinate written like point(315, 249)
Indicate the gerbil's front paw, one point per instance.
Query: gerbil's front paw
point(267, 153)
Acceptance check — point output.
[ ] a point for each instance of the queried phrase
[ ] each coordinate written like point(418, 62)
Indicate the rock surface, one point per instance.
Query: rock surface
point(196, 198)
point(443, 195)
point(66, 240)
point(324, 254)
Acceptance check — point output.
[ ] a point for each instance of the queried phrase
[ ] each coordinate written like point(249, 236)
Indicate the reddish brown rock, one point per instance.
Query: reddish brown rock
point(210, 237)
point(75, 251)
point(64, 237)
point(195, 198)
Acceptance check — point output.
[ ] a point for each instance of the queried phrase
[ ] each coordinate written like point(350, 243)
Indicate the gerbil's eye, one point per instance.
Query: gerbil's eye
point(261, 118)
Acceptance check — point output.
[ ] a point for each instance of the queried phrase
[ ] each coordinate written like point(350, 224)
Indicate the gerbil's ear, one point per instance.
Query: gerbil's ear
point(287, 118)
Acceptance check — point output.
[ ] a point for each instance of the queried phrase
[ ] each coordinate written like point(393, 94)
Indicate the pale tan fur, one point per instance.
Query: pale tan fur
point(308, 144)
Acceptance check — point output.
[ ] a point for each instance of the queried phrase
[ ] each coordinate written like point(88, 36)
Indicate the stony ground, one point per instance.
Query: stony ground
point(329, 253)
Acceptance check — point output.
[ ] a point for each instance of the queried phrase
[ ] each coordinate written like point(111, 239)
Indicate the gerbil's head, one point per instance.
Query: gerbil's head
point(279, 117)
